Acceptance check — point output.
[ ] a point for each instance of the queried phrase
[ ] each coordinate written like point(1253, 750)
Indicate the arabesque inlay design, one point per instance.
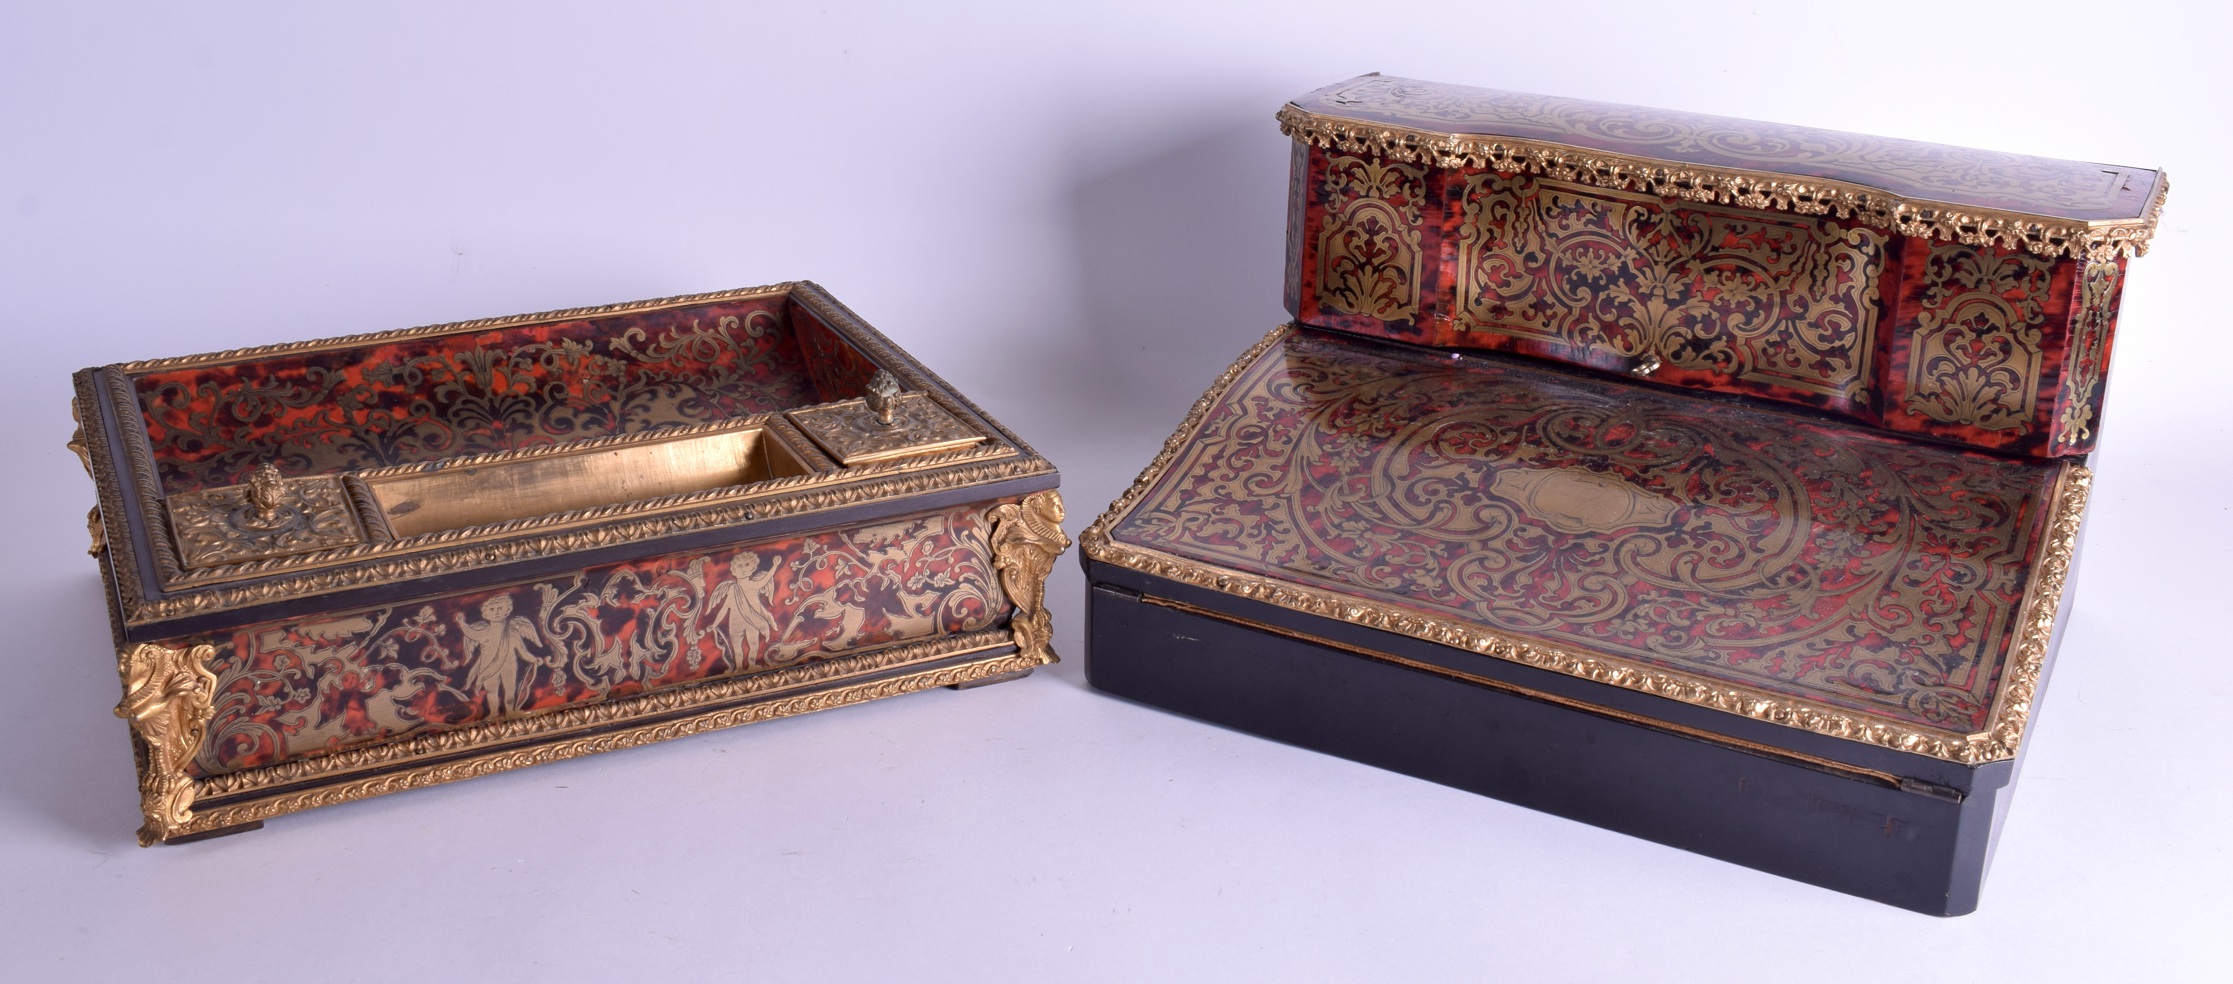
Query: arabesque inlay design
point(1829, 565)
point(422, 398)
point(320, 685)
point(139, 483)
point(1755, 297)
point(1975, 358)
point(660, 716)
point(1369, 250)
point(2061, 505)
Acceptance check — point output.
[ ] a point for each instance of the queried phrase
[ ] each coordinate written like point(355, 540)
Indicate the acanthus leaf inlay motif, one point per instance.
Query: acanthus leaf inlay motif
point(1974, 359)
point(1370, 260)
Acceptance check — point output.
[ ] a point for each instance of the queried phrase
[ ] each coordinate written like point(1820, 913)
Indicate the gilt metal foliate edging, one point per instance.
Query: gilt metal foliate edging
point(491, 747)
point(1690, 182)
point(77, 446)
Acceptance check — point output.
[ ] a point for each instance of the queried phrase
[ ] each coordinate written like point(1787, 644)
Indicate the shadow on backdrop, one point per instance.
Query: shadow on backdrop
point(1179, 249)
point(70, 759)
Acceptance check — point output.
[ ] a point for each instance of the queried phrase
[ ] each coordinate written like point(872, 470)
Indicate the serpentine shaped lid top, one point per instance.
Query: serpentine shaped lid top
point(1978, 197)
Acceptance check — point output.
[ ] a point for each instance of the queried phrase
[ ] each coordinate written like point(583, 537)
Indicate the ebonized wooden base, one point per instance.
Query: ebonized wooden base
point(1919, 845)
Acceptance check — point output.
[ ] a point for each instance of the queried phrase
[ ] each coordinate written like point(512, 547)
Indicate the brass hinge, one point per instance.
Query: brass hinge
point(1931, 789)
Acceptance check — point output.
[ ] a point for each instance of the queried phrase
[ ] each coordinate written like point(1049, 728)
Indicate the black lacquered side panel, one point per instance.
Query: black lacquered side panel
point(1863, 836)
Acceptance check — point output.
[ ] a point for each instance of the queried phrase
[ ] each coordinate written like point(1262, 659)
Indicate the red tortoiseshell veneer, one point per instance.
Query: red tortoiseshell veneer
point(1782, 589)
point(1828, 270)
point(355, 566)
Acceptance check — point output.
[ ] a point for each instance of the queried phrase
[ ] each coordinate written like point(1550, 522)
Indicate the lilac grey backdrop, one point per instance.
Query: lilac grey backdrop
point(1073, 213)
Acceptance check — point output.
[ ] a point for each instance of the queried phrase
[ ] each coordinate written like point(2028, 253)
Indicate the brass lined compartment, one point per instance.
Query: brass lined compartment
point(694, 488)
point(465, 493)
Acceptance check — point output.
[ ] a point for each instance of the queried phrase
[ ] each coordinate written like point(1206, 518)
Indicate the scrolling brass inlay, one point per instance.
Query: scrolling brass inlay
point(314, 685)
point(1026, 538)
point(1975, 356)
point(2089, 353)
point(447, 743)
point(1788, 302)
point(268, 517)
point(167, 694)
point(1369, 256)
point(1918, 712)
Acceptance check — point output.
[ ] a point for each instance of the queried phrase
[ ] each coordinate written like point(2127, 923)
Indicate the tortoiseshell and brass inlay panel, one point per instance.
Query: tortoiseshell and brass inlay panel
point(1962, 294)
point(1829, 565)
point(2079, 409)
point(357, 565)
point(314, 686)
point(1372, 262)
point(1785, 301)
point(1989, 347)
point(1976, 355)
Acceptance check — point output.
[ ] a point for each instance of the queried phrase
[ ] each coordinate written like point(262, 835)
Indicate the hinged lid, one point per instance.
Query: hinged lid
point(1895, 594)
point(1976, 197)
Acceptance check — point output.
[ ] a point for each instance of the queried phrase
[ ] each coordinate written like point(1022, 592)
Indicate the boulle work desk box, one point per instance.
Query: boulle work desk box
point(350, 567)
point(1711, 481)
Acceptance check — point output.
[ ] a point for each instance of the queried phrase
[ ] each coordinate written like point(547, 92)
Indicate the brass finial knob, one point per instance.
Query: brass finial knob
point(883, 392)
point(267, 491)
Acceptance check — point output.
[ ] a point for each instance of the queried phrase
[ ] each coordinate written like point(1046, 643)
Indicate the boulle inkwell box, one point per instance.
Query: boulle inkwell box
point(356, 566)
point(1712, 481)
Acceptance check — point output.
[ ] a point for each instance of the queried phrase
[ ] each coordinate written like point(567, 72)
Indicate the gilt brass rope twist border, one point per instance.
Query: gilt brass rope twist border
point(629, 737)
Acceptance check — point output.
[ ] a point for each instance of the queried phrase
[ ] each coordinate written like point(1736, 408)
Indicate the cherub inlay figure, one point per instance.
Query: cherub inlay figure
point(495, 650)
point(743, 607)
